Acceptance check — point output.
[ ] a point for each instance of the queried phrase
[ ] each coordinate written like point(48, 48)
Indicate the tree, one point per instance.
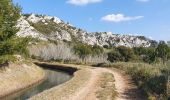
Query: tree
point(150, 55)
point(162, 51)
point(114, 56)
point(82, 50)
point(9, 14)
point(145, 54)
point(126, 53)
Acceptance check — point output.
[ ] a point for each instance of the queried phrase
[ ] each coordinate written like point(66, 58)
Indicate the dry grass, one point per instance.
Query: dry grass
point(107, 91)
point(152, 79)
point(18, 77)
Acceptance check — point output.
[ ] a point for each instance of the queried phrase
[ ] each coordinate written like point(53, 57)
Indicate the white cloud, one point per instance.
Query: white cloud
point(143, 0)
point(119, 18)
point(82, 2)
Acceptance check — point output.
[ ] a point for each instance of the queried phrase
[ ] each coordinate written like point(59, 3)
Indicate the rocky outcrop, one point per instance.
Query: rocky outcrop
point(52, 28)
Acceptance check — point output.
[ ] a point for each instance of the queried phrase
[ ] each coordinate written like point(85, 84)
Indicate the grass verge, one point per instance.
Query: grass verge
point(107, 91)
point(151, 79)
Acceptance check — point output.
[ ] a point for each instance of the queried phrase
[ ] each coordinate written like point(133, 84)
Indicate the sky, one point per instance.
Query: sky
point(149, 18)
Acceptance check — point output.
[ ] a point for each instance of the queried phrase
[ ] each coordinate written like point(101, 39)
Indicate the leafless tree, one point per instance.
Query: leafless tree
point(63, 52)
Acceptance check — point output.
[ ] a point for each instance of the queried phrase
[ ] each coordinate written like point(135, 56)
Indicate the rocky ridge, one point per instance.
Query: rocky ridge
point(52, 28)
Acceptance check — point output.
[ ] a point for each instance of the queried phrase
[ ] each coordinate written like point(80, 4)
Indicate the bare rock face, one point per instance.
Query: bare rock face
point(52, 28)
point(25, 29)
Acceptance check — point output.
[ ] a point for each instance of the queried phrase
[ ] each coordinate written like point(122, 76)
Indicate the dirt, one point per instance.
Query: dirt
point(86, 83)
point(124, 85)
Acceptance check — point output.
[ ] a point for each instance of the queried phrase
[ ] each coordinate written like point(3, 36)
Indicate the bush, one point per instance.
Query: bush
point(114, 56)
point(84, 50)
point(121, 54)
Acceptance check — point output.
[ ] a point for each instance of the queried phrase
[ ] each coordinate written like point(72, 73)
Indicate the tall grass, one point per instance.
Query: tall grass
point(152, 79)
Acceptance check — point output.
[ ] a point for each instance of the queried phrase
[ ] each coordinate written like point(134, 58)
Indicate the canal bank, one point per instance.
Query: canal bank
point(18, 77)
point(20, 82)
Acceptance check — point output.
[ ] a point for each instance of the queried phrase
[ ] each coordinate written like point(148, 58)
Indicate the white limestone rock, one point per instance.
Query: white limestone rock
point(66, 31)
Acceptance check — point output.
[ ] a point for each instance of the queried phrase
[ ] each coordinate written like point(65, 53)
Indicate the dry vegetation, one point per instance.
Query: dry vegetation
point(18, 77)
point(63, 53)
point(107, 91)
point(152, 79)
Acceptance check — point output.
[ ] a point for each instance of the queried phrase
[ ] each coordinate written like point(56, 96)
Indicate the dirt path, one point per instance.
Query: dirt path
point(88, 84)
point(123, 84)
point(126, 88)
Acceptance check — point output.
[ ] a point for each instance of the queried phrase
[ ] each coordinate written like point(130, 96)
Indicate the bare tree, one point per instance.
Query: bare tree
point(63, 52)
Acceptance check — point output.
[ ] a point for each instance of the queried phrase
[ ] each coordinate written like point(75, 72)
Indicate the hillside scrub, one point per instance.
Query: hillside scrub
point(159, 54)
point(152, 79)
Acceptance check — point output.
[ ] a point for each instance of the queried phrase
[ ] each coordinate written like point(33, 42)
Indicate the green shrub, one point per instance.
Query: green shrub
point(5, 58)
point(121, 53)
point(84, 50)
point(114, 56)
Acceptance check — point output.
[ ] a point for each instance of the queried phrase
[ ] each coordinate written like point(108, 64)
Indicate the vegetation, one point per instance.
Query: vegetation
point(9, 43)
point(65, 53)
point(152, 79)
point(162, 51)
point(47, 28)
point(83, 50)
point(140, 54)
point(149, 73)
point(107, 85)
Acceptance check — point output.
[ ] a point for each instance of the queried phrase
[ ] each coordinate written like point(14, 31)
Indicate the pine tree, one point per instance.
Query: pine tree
point(9, 14)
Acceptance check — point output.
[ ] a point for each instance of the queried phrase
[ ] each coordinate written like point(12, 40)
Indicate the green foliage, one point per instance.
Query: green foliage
point(114, 56)
point(162, 51)
point(83, 50)
point(9, 43)
point(9, 14)
point(21, 46)
point(46, 28)
point(97, 50)
point(7, 47)
point(121, 54)
point(127, 53)
point(145, 54)
point(5, 58)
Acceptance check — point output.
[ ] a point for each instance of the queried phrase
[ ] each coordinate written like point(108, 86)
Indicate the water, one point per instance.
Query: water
point(54, 78)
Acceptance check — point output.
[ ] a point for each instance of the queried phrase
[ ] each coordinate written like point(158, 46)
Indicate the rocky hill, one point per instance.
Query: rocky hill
point(52, 28)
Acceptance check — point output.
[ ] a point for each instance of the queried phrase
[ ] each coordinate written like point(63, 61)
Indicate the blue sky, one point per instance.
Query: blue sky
point(150, 18)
